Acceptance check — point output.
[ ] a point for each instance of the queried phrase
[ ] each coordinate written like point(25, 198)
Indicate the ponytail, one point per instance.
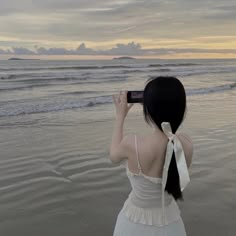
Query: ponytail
point(173, 183)
point(164, 100)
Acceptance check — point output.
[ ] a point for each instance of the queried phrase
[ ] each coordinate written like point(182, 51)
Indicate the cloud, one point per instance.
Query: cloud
point(83, 50)
point(120, 49)
point(222, 13)
point(3, 51)
point(13, 6)
point(102, 20)
point(52, 51)
point(129, 49)
point(125, 49)
point(22, 51)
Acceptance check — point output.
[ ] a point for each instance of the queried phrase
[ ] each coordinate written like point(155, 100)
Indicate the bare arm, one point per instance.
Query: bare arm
point(119, 145)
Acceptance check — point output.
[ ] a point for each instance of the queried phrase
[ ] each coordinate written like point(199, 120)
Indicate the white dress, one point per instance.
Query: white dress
point(149, 210)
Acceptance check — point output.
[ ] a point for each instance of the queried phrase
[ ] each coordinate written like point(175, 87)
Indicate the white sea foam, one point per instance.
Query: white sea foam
point(81, 85)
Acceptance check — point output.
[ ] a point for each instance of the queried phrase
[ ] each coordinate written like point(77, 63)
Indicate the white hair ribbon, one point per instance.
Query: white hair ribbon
point(173, 145)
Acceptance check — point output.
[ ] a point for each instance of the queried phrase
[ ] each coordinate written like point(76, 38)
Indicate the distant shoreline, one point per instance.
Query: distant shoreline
point(19, 59)
point(123, 58)
point(116, 58)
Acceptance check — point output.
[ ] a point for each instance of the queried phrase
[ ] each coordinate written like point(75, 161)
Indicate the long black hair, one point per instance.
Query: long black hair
point(164, 100)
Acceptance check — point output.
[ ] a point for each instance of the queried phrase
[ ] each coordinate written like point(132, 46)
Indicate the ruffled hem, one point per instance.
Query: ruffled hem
point(151, 216)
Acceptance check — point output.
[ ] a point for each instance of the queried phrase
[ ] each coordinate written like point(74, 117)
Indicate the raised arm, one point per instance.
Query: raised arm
point(119, 145)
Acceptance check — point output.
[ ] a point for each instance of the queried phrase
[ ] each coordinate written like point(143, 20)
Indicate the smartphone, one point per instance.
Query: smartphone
point(135, 97)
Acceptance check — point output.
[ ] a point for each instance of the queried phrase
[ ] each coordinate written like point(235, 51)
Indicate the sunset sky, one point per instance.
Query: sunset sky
point(107, 28)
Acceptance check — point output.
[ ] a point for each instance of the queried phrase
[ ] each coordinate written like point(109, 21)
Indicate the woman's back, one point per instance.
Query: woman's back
point(152, 150)
point(148, 203)
point(157, 164)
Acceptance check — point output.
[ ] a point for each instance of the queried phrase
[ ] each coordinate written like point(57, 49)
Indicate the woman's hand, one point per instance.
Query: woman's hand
point(121, 105)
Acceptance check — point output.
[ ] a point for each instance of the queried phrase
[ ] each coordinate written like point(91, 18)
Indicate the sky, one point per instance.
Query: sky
point(106, 28)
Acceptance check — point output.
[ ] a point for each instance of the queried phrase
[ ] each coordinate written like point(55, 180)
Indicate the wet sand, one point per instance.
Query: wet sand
point(56, 178)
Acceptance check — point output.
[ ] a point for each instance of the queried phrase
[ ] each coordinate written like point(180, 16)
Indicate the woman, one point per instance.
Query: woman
point(157, 164)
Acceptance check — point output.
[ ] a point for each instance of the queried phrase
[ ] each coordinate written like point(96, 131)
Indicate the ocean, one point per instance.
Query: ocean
point(56, 120)
point(34, 87)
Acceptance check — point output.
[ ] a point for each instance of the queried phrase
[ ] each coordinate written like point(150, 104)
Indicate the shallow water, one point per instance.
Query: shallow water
point(56, 177)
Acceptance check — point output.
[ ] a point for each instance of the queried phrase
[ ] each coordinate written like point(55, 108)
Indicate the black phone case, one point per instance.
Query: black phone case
point(137, 98)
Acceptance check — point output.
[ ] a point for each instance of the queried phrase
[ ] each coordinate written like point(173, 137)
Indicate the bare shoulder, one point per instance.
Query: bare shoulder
point(187, 146)
point(129, 139)
point(122, 150)
point(128, 142)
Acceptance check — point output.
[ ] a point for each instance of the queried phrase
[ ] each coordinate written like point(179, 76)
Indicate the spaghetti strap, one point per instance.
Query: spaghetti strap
point(136, 148)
